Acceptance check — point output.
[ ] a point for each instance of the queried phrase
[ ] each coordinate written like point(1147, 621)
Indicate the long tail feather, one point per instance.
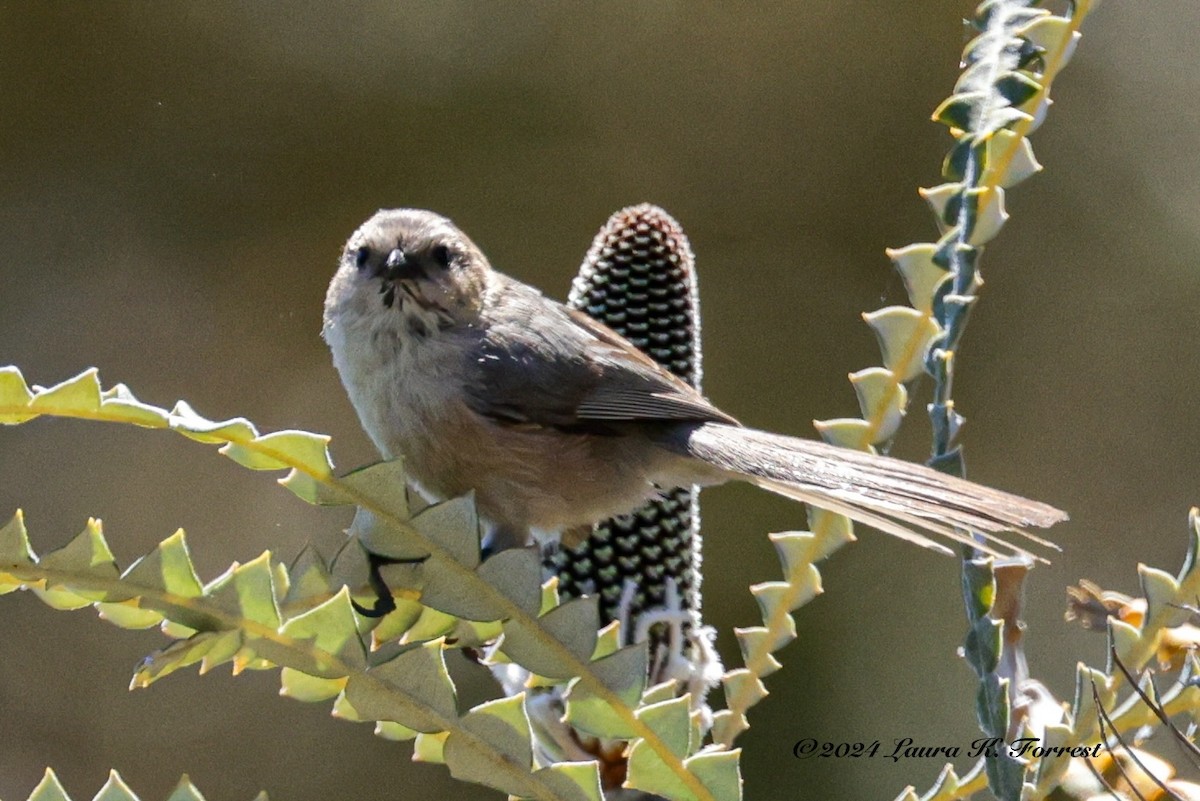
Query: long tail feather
point(898, 497)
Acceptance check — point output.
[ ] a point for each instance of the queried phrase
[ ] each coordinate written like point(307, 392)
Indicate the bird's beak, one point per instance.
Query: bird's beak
point(396, 266)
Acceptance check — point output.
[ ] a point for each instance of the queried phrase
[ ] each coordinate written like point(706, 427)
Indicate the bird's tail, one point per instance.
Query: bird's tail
point(904, 499)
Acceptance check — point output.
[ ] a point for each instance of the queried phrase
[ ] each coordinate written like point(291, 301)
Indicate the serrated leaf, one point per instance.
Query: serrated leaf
point(624, 674)
point(719, 772)
point(210, 648)
point(1021, 163)
point(758, 639)
point(1017, 87)
point(960, 110)
point(186, 421)
point(663, 691)
point(1161, 591)
point(382, 481)
point(830, 531)
point(608, 640)
point(944, 202)
point(845, 432)
point(444, 588)
point(727, 725)
point(115, 789)
point(185, 791)
point(120, 401)
point(671, 721)
point(571, 626)
point(304, 687)
point(430, 748)
point(168, 568)
point(129, 615)
point(383, 537)
point(395, 732)
point(1125, 639)
point(573, 781)
point(14, 550)
point(794, 549)
point(15, 396)
point(329, 626)
point(310, 490)
point(309, 577)
point(250, 592)
point(904, 336)
point(550, 597)
point(517, 574)
point(504, 726)
point(85, 558)
point(49, 789)
point(882, 399)
point(745, 686)
point(983, 644)
point(987, 214)
point(75, 395)
point(395, 624)
point(454, 525)
point(430, 625)
point(282, 449)
point(412, 689)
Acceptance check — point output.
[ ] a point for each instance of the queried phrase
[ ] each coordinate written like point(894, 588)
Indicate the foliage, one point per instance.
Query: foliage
point(300, 617)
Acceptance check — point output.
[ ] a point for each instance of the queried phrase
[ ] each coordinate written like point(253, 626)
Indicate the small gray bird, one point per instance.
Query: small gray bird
point(556, 422)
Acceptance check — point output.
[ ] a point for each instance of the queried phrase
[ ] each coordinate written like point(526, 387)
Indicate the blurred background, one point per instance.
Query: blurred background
point(178, 179)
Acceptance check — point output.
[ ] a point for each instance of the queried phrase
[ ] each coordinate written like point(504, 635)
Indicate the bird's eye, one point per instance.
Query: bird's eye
point(442, 255)
point(361, 256)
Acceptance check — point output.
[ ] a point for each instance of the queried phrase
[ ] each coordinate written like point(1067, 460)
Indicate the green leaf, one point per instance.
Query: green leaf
point(15, 396)
point(115, 789)
point(383, 537)
point(119, 400)
point(719, 772)
point(845, 432)
point(85, 559)
point(536, 647)
point(504, 726)
point(49, 789)
point(1021, 165)
point(922, 275)
point(250, 593)
point(453, 525)
point(75, 395)
point(881, 398)
point(412, 689)
point(445, 590)
point(517, 574)
point(305, 687)
point(904, 336)
point(14, 551)
point(186, 421)
point(670, 720)
point(430, 748)
point(185, 791)
point(573, 781)
point(623, 673)
point(1162, 597)
point(282, 449)
point(129, 615)
point(210, 648)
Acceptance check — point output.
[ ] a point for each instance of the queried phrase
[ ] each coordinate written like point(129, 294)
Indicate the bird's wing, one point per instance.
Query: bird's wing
point(547, 365)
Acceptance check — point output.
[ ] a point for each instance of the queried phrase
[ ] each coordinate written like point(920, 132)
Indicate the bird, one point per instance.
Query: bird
point(554, 422)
